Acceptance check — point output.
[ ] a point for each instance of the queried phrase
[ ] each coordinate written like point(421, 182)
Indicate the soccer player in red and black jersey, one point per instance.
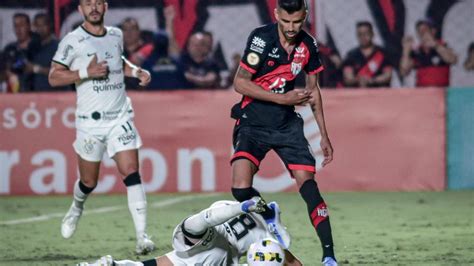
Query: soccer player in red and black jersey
point(266, 117)
point(431, 59)
point(366, 65)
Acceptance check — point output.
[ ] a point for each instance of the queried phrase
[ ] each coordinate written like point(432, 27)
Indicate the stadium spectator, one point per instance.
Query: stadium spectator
point(469, 63)
point(218, 235)
point(38, 68)
point(18, 52)
point(331, 77)
point(431, 59)
point(9, 82)
point(366, 65)
point(136, 50)
point(164, 68)
point(200, 70)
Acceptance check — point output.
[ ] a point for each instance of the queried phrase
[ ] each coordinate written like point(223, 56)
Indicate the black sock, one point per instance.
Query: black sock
point(243, 194)
point(85, 189)
point(318, 215)
point(151, 262)
point(132, 179)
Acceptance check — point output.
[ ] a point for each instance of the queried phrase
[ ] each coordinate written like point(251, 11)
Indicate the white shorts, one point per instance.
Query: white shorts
point(91, 143)
point(212, 249)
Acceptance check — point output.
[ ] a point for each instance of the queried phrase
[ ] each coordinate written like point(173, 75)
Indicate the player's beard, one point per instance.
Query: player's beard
point(95, 22)
point(291, 37)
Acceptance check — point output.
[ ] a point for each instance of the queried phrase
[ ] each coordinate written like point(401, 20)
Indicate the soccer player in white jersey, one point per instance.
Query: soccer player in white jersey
point(90, 57)
point(218, 235)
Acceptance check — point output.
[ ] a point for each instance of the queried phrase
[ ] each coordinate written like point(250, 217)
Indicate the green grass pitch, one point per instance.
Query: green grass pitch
point(393, 228)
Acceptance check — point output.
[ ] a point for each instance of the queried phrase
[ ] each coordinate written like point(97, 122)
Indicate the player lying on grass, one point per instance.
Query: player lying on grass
point(218, 235)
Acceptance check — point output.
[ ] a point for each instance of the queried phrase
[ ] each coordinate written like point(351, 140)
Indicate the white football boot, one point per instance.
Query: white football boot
point(144, 245)
point(69, 224)
point(103, 261)
point(328, 261)
point(276, 227)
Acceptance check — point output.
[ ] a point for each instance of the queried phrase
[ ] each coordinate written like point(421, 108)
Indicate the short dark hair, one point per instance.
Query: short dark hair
point(292, 6)
point(425, 21)
point(43, 16)
point(22, 15)
point(365, 23)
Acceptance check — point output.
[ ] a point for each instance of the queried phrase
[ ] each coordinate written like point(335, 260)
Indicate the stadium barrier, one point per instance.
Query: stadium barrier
point(460, 135)
point(384, 140)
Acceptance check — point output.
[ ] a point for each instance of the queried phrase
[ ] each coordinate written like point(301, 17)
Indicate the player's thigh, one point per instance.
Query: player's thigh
point(88, 172)
point(127, 162)
point(123, 142)
point(90, 144)
point(250, 148)
point(295, 151)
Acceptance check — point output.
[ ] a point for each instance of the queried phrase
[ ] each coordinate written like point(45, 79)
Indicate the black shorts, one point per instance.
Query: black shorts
point(253, 143)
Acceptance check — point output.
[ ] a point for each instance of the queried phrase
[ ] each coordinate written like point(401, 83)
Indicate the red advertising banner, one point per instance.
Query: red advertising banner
point(384, 140)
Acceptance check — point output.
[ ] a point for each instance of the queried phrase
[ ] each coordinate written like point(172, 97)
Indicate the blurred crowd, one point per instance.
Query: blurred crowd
point(24, 63)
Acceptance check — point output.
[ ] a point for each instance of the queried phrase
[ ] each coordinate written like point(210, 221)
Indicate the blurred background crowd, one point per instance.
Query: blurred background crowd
point(198, 60)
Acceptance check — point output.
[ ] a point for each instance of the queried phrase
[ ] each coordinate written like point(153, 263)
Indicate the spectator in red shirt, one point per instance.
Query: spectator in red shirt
point(366, 65)
point(431, 59)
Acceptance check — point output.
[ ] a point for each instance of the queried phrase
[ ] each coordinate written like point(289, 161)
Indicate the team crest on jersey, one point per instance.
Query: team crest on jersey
point(373, 66)
point(296, 68)
point(253, 59)
point(257, 45)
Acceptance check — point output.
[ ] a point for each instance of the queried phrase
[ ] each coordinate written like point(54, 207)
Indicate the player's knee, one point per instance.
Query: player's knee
point(90, 183)
point(132, 179)
point(129, 169)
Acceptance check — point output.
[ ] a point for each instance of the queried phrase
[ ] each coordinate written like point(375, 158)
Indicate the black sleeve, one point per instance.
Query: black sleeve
point(314, 64)
point(255, 52)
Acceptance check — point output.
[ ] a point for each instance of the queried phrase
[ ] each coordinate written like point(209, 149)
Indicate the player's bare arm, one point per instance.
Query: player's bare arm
point(244, 85)
point(316, 104)
point(131, 70)
point(60, 75)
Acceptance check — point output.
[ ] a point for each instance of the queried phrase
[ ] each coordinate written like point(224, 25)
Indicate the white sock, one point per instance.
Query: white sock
point(128, 263)
point(137, 206)
point(200, 222)
point(79, 196)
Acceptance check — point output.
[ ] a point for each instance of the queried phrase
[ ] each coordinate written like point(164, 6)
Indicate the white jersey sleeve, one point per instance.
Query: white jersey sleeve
point(66, 50)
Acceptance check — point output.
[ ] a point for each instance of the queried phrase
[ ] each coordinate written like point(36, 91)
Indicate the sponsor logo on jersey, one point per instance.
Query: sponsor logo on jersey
point(108, 55)
point(127, 138)
point(274, 52)
point(102, 85)
point(253, 59)
point(257, 45)
point(66, 52)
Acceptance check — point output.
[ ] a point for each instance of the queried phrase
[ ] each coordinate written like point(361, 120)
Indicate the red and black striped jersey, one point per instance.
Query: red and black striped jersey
point(369, 67)
point(275, 70)
point(432, 70)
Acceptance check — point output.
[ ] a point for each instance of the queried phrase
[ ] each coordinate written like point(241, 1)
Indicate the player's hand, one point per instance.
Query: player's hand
point(144, 77)
point(326, 147)
point(296, 97)
point(97, 69)
point(169, 13)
